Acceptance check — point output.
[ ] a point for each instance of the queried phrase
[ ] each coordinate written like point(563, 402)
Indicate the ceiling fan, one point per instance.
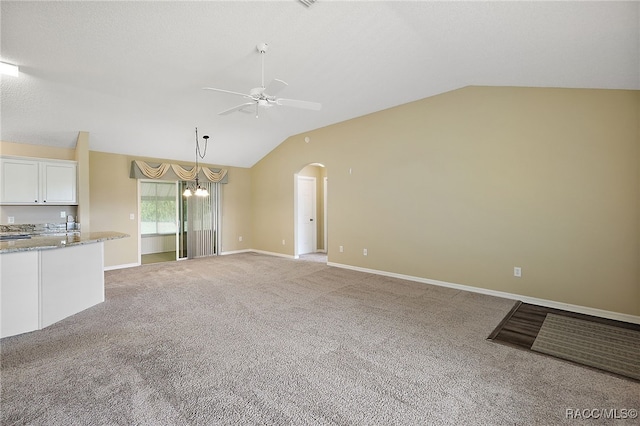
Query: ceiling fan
point(264, 96)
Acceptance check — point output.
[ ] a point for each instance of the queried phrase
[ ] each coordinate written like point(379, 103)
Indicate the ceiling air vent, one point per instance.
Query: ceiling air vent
point(307, 2)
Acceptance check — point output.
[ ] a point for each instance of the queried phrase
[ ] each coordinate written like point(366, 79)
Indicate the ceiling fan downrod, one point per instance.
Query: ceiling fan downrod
point(262, 48)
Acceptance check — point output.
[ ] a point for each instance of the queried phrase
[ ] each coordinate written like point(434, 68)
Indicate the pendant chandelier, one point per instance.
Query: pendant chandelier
point(197, 189)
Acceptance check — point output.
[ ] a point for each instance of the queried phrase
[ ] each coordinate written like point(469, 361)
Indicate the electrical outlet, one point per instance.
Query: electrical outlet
point(11, 219)
point(63, 214)
point(364, 252)
point(282, 242)
point(341, 249)
point(240, 238)
point(517, 271)
point(132, 216)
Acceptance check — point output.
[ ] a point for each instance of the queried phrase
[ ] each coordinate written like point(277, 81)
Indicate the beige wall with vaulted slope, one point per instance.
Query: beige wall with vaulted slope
point(464, 186)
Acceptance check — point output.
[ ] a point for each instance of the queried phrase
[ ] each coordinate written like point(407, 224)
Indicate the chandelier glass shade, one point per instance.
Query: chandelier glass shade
point(198, 191)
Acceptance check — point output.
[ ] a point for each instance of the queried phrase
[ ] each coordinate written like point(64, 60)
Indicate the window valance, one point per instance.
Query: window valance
point(173, 172)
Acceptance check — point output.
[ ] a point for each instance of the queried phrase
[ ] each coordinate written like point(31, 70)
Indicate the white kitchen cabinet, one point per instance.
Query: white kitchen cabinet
point(19, 293)
point(41, 287)
point(37, 181)
point(20, 181)
point(58, 182)
point(71, 280)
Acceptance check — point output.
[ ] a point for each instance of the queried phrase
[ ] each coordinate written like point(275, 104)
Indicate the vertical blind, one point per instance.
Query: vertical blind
point(201, 223)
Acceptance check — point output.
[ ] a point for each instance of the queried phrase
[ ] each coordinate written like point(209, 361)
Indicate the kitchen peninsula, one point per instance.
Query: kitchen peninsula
point(46, 277)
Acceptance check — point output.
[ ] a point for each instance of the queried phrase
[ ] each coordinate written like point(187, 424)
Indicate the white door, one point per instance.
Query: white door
point(307, 228)
point(324, 216)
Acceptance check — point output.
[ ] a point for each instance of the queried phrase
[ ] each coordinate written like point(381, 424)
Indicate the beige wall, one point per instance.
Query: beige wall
point(464, 186)
point(39, 151)
point(114, 196)
point(236, 211)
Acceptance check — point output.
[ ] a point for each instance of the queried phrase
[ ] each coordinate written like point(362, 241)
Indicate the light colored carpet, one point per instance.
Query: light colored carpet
point(601, 346)
point(254, 339)
point(314, 257)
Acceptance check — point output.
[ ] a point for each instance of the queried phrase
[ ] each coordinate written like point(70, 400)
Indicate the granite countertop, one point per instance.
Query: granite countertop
point(47, 241)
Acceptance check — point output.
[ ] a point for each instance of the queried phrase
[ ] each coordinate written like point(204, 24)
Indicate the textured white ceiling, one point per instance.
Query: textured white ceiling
point(131, 73)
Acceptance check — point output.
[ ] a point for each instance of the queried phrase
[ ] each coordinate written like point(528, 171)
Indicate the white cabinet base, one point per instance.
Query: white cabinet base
point(71, 280)
point(19, 280)
point(41, 287)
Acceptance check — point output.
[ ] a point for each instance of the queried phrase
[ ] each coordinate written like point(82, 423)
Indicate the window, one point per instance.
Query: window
point(158, 208)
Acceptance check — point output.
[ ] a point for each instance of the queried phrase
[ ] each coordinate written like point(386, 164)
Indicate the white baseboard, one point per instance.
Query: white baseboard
point(270, 253)
point(526, 299)
point(224, 253)
point(123, 266)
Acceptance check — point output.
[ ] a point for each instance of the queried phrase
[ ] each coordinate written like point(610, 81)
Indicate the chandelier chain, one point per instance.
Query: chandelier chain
point(200, 153)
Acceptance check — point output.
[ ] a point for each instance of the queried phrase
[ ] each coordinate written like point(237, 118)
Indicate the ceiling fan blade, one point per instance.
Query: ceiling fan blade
point(227, 91)
point(275, 86)
point(236, 108)
point(299, 104)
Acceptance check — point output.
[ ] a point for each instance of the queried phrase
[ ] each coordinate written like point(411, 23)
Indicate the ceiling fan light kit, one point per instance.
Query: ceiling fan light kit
point(265, 96)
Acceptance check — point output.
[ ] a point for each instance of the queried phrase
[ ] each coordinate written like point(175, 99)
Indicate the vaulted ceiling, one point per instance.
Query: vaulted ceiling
point(131, 73)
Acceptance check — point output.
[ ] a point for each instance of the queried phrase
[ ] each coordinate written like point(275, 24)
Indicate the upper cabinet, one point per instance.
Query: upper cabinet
point(37, 182)
point(20, 181)
point(58, 182)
